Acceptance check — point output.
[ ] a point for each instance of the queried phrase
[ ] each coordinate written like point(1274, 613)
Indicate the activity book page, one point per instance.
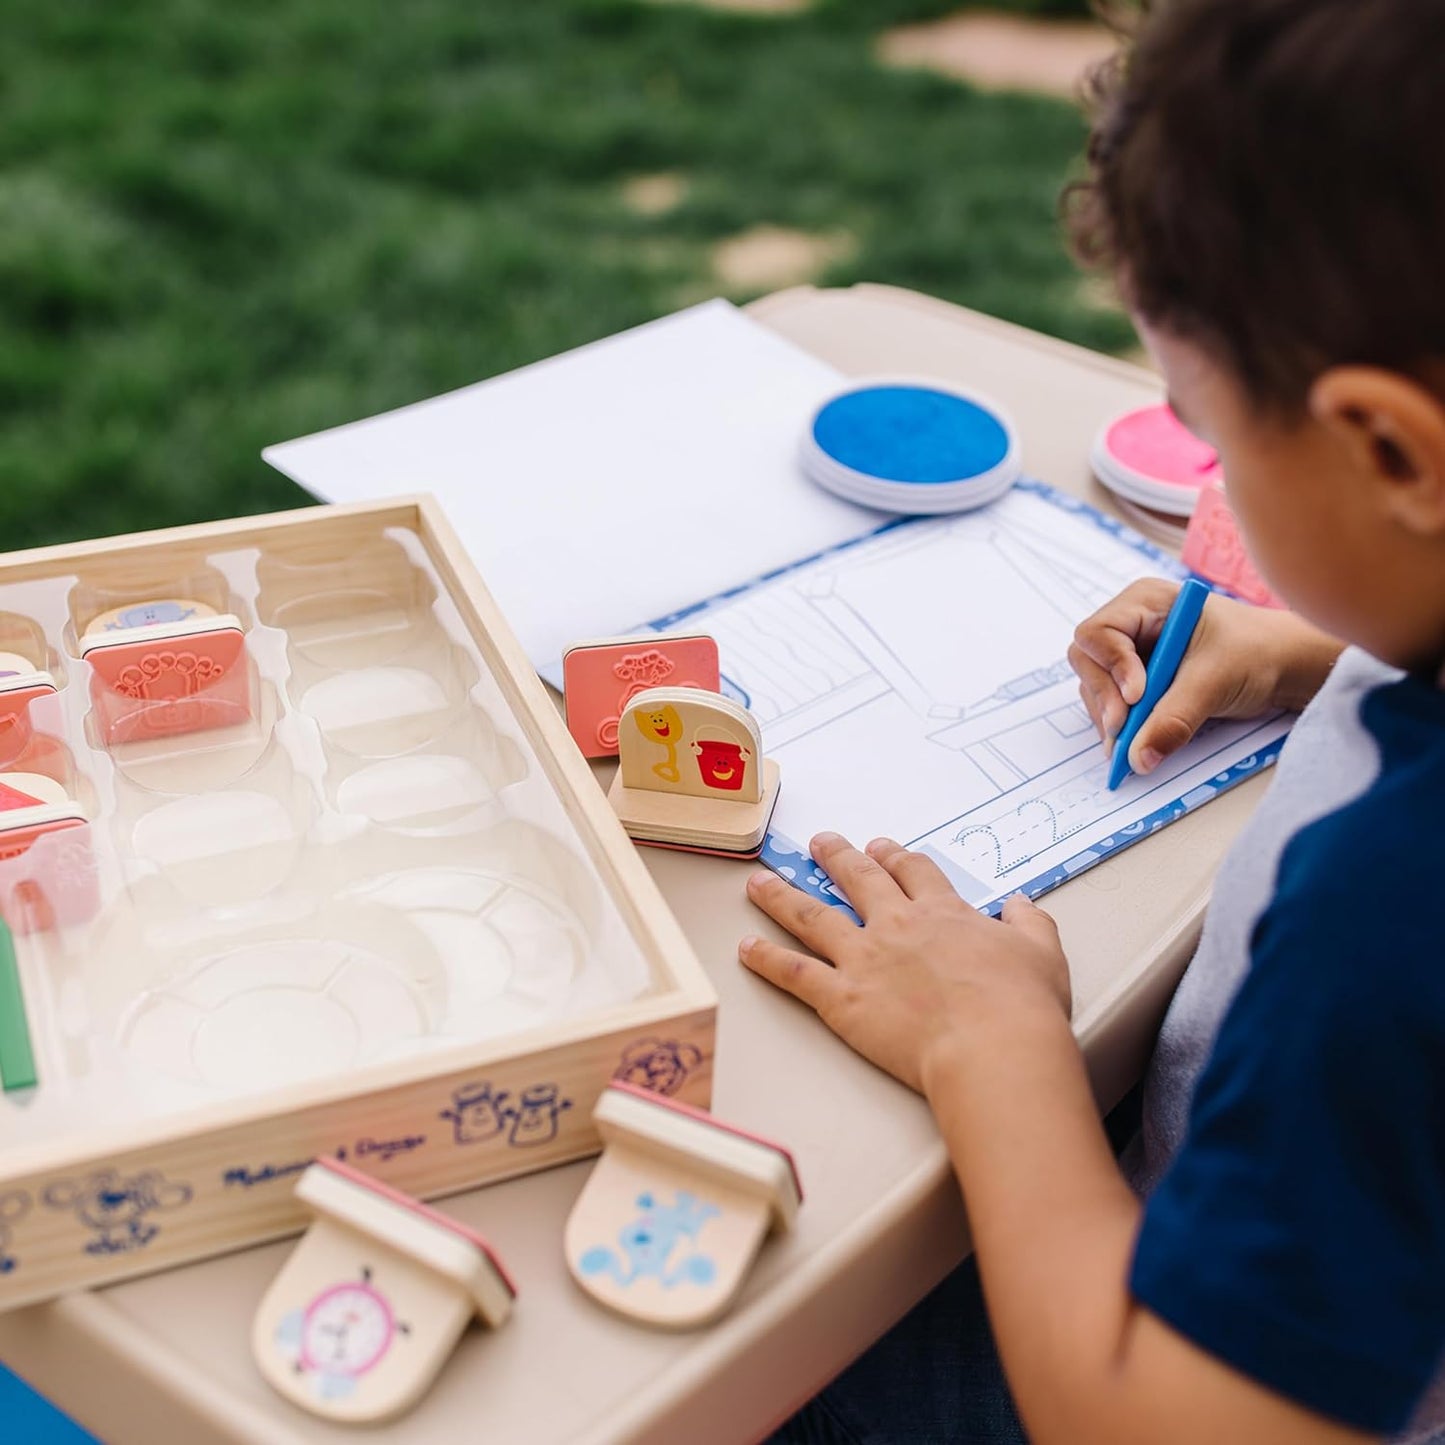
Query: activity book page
point(914, 683)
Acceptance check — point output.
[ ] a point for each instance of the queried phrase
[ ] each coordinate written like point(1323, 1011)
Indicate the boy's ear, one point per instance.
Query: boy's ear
point(1392, 432)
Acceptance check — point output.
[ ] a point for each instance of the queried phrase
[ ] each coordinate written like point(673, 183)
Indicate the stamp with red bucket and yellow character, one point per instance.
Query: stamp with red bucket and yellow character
point(692, 773)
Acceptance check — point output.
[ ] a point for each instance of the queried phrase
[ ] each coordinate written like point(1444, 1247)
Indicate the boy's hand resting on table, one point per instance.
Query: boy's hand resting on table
point(1242, 661)
point(924, 967)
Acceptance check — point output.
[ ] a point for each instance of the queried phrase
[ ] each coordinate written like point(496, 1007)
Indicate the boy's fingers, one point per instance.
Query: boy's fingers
point(1113, 635)
point(1025, 915)
point(865, 882)
point(915, 874)
point(1116, 653)
point(1189, 702)
point(796, 973)
point(1100, 694)
point(822, 928)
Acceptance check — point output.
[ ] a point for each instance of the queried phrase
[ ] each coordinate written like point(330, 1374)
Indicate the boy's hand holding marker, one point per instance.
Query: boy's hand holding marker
point(1242, 661)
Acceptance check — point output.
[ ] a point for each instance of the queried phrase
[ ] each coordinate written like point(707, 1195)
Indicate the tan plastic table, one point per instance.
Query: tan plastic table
point(167, 1358)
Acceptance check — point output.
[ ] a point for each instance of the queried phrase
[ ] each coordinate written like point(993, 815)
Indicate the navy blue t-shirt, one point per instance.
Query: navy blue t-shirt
point(1299, 1232)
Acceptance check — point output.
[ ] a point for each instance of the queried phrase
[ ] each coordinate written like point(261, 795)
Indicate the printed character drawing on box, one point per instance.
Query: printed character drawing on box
point(114, 1207)
point(478, 1113)
point(537, 1115)
point(13, 1206)
point(658, 1065)
point(665, 727)
point(649, 1241)
point(147, 614)
point(340, 1335)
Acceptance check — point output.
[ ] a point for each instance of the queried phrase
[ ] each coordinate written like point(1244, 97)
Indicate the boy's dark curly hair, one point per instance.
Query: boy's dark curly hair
point(1268, 180)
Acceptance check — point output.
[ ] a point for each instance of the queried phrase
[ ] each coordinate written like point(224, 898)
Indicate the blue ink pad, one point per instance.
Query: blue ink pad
point(912, 447)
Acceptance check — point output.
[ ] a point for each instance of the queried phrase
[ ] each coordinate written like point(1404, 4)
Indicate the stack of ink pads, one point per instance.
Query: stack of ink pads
point(911, 447)
point(1149, 457)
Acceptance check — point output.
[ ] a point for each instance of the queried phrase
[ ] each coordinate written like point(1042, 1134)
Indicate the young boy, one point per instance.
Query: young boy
point(1269, 185)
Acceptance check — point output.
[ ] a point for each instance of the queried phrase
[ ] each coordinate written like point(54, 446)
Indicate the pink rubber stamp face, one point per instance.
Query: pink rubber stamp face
point(600, 679)
point(17, 692)
point(166, 666)
point(1153, 459)
point(1214, 548)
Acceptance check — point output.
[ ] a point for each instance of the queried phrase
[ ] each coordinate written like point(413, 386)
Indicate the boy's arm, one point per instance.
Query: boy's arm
point(1054, 1225)
point(974, 1013)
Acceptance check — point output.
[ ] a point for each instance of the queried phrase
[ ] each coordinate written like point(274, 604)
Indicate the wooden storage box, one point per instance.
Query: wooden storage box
point(345, 889)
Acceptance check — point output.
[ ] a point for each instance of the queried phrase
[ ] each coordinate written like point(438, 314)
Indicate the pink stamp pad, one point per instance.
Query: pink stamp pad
point(1151, 458)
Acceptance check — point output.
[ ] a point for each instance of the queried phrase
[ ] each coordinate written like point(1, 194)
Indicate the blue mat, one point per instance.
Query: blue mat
point(32, 1420)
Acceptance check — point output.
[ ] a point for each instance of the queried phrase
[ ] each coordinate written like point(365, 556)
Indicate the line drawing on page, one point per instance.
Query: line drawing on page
point(914, 683)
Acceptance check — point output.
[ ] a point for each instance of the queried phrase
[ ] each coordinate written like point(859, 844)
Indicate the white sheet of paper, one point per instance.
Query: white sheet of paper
point(915, 685)
point(616, 482)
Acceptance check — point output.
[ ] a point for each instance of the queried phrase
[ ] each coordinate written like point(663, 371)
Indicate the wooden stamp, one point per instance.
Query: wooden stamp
point(54, 884)
point(17, 691)
point(167, 666)
point(372, 1301)
point(1214, 550)
point(670, 1220)
point(693, 774)
point(599, 679)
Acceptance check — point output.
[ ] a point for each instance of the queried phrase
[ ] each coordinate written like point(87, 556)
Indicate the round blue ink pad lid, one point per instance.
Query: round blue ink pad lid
point(911, 434)
point(905, 446)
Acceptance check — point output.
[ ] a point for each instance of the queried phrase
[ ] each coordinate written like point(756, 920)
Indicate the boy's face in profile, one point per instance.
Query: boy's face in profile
point(1314, 509)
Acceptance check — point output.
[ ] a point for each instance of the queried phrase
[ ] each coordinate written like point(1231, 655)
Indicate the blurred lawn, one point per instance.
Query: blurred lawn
point(222, 225)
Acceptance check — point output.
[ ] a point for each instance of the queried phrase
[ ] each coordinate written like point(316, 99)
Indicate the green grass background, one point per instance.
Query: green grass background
point(222, 225)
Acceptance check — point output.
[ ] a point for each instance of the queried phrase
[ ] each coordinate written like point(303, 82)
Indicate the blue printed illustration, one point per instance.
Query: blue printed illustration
point(649, 1241)
point(658, 1065)
point(537, 1115)
point(340, 1334)
point(116, 1207)
point(14, 1205)
point(479, 1112)
point(147, 614)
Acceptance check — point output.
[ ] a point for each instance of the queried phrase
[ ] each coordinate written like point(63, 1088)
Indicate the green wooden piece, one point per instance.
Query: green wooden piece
point(17, 1058)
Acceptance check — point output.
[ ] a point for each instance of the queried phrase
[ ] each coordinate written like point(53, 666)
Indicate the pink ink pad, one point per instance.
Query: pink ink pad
point(1149, 457)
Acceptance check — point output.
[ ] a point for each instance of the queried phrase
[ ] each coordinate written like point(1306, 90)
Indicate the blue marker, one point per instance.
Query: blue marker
point(1163, 664)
